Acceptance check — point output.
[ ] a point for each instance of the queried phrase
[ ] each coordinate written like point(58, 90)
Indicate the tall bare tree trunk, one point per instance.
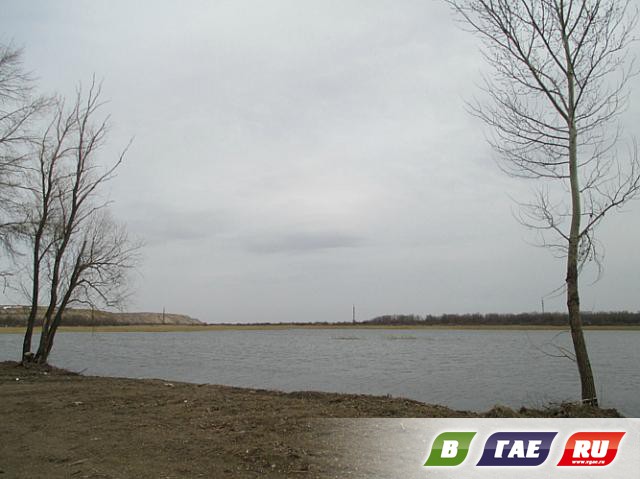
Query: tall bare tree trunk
point(46, 323)
point(26, 344)
point(46, 341)
point(35, 292)
point(573, 254)
point(573, 297)
point(589, 395)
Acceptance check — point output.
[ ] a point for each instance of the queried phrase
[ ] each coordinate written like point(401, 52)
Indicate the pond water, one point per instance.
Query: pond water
point(460, 369)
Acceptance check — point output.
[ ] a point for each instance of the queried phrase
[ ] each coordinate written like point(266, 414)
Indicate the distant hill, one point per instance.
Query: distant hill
point(17, 316)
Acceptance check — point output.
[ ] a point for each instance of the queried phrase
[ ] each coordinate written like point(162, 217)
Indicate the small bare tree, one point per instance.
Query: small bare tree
point(560, 81)
point(78, 252)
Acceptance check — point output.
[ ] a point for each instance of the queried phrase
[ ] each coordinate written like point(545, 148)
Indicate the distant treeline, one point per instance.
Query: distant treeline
point(610, 318)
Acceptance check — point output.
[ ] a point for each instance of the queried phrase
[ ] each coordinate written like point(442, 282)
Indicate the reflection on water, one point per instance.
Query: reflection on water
point(460, 369)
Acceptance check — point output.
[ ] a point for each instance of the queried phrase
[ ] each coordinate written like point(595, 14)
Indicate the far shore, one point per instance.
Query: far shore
point(171, 328)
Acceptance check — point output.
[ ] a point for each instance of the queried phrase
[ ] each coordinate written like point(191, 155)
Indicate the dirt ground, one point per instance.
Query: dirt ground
point(56, 424)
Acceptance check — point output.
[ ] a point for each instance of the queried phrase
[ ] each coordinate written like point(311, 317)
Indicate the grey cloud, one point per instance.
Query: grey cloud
point(303, 242)
point(158, 225)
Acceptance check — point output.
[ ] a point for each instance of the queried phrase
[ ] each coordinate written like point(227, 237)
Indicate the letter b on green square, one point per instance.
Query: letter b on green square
point(450, 449)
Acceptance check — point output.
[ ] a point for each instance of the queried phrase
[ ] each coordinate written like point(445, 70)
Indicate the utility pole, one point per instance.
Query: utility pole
point(354, 314)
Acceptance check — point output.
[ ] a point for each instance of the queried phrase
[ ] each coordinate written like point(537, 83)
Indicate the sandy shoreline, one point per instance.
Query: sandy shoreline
point(57, 424)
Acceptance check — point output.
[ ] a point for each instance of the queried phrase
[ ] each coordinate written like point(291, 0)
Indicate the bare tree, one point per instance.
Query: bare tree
point(78, 253)
point(44, 180)
point(18, 109)
point(95, 272)
point(560, 81)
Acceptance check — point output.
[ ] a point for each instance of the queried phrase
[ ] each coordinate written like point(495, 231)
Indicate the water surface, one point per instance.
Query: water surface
point(457, 368)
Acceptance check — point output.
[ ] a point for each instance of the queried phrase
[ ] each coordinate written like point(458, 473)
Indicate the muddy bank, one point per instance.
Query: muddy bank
point(57, 424)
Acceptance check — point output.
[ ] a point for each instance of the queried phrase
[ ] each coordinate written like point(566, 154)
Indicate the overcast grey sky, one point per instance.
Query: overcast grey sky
point(292, 158)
